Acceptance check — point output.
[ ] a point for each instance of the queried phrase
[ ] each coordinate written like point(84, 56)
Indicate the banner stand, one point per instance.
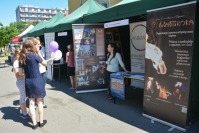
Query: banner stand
point(96, 90)
point(90, 57)
point(164, 122)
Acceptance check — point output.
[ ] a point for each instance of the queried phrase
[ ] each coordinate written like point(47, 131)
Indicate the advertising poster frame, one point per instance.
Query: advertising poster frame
point(48, 37)
point(90, 58)
point(117, 85)
point(137, 47)
point(168, 63)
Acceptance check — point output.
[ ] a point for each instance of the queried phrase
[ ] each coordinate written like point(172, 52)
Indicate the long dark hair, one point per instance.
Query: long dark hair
point(113, 45)
point(151, 27)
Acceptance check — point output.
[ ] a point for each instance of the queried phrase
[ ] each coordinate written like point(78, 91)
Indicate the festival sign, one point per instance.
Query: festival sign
point(89, 49)
point(168, 63)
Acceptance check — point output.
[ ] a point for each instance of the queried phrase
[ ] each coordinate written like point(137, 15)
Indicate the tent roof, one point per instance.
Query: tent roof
point(26, 30)
point(129, 8)
point(54, 19)
point(17, 39)
point(37, 27)
point(89, 7)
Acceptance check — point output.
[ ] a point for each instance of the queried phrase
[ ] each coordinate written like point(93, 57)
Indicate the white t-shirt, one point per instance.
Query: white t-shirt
point(16, 66)
point(42, 68)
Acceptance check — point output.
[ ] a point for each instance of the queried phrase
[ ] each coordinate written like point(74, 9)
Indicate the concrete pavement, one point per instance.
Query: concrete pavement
point(69, 112)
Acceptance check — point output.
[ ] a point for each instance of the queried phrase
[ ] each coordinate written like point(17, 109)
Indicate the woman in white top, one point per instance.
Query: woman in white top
point(113, 61)
point(20, 83)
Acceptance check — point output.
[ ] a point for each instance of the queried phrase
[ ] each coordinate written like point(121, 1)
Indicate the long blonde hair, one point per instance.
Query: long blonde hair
point(28, 46)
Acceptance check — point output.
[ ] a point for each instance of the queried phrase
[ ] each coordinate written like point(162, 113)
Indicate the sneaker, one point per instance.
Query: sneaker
point(44, 106)
point(42, 124)
point(35, 126)
point(25, 116)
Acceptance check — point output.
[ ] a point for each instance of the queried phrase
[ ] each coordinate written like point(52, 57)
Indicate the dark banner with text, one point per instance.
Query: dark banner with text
point(168, 58)
point(89, 49)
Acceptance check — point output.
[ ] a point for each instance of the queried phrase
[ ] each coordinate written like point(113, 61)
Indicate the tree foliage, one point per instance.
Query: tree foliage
point(14, 29)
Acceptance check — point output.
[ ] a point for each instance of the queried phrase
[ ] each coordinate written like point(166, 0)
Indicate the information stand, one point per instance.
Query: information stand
point(117, 84)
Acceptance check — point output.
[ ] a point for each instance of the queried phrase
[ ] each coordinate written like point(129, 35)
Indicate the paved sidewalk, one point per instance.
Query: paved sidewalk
point(69, 112)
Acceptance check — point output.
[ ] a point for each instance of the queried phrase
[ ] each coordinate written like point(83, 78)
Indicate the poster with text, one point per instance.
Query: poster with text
point(48, 38)
point(90, 66)
point(117, 86)
point(168, 61)
point(137, 41)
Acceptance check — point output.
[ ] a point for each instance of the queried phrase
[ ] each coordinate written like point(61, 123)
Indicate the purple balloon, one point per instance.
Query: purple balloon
point(54, 46)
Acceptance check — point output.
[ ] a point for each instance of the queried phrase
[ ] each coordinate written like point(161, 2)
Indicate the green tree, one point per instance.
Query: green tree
point(14, 29)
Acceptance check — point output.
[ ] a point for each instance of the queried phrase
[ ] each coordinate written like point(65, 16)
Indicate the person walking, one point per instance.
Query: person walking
point(113, 61)
point(34, 83)
point(71, 66)
point(20, 83)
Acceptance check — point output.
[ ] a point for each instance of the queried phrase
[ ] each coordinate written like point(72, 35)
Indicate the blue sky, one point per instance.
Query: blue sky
point(8, 7)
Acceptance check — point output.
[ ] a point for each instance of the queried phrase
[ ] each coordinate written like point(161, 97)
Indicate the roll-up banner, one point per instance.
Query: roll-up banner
point(89, 49)
point(137, 41)
point(48, 38)
point(168, 63)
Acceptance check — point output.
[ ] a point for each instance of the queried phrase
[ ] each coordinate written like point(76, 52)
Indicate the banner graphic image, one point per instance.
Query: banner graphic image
point(137, 41)
point(168, 62)
point(89, 48)
point(49, 37)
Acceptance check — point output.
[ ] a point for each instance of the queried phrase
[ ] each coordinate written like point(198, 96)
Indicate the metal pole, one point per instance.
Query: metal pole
point(80, 3)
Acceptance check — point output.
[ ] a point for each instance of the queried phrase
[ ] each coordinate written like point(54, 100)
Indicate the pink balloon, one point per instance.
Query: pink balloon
point(54, 46)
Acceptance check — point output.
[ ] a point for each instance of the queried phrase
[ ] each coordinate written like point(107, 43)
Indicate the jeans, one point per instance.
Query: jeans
point(109, 79)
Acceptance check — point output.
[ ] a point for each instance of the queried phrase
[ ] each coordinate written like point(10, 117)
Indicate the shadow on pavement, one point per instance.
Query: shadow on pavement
point(129, 111)
point(16, 102)
point(12, 113)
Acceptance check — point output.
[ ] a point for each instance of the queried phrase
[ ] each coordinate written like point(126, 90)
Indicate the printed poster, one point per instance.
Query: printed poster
point(48, 38)
point(168, 57)
point(137, 45)
point(90, 66)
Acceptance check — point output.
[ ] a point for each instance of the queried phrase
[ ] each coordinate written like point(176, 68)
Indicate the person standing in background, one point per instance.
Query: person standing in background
point(113, 60)
point(20, 83)
point(71, 66)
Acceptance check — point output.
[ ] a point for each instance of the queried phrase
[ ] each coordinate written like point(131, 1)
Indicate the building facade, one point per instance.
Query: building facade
point(74, 4)
point(36, 14)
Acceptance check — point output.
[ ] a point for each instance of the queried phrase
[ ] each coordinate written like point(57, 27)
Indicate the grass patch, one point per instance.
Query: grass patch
point(3, 57)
